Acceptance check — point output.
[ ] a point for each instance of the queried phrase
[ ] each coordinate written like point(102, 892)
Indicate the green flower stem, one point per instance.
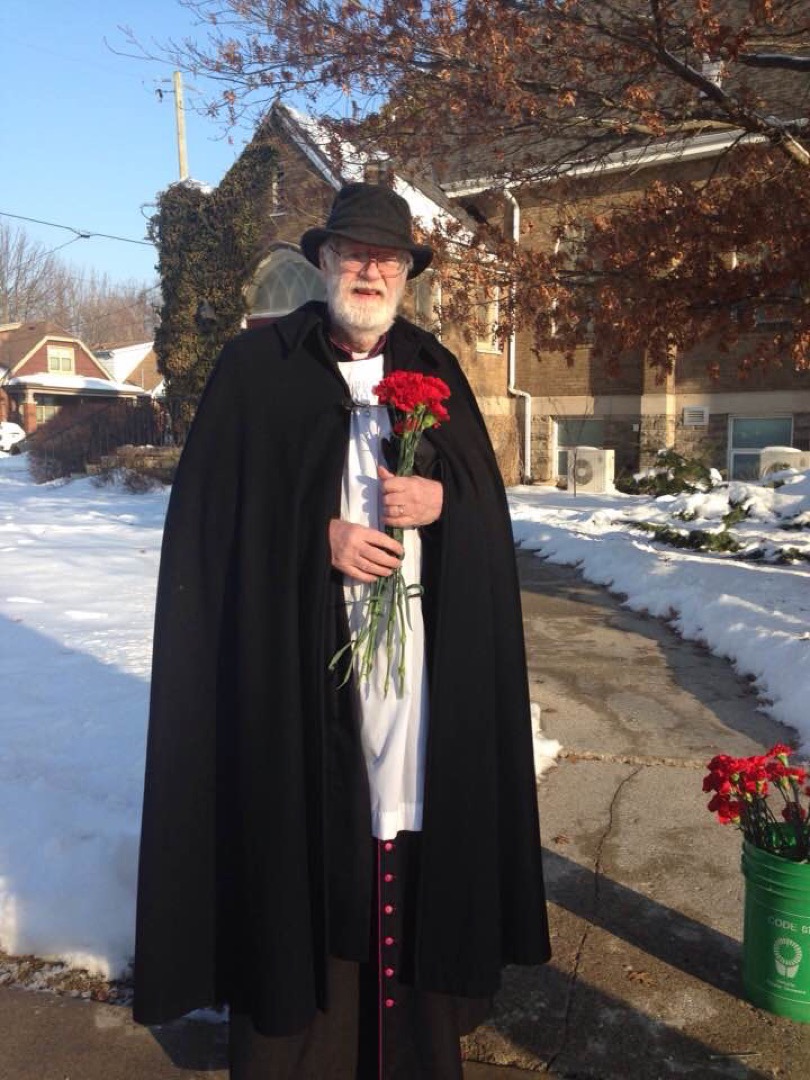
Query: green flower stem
point(387, 605)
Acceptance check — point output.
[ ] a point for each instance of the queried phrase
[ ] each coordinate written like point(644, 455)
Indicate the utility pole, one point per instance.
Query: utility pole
point(180, 116)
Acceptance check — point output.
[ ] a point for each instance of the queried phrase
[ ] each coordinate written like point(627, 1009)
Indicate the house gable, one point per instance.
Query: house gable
point(32, 345)
point(146, 373)
point(136, 364)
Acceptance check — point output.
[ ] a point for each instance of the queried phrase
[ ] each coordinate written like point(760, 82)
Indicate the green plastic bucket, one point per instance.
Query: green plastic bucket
point(776, 934)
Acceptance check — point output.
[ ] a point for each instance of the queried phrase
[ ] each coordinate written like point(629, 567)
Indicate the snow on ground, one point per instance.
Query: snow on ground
point(77, 583)
point(755, 613)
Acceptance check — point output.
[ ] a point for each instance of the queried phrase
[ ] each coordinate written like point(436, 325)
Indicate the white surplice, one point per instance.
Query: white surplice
point(393, 725)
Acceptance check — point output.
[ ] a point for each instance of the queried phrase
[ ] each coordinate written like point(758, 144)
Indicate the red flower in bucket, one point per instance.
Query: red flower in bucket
point(418, 401)
point(743, 788)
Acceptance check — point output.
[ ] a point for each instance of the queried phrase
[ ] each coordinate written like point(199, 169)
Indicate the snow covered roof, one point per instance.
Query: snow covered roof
point(324, 147)
point(190, 182)
point(76, 383)
point(122, 362)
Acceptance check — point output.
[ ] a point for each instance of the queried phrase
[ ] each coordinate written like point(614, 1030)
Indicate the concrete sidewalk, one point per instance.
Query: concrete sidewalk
point(645, 888)
point(47, 1037)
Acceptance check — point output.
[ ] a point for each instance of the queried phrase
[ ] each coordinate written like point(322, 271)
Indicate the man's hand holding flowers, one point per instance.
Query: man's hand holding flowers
point(362, 553)
point(409, 501)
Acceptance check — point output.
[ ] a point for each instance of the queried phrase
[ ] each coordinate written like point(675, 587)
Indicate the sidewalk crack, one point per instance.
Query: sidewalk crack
point(569, 754)
point(597, 879)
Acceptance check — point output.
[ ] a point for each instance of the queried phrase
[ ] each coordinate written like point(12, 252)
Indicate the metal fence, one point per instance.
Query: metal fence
point(87, 436)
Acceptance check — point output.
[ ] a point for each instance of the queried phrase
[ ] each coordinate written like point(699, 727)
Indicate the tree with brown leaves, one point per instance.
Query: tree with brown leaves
point(569, 98)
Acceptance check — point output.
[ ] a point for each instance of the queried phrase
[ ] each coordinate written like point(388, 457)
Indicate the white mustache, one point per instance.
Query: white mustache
point(366, 289)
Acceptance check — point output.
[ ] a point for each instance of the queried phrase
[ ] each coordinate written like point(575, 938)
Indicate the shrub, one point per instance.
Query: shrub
point(82, 435)
point(694, 539)
point(672, 475)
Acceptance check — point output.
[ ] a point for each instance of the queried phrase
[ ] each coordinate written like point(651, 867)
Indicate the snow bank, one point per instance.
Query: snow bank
point(77, 589)
point(754, 613)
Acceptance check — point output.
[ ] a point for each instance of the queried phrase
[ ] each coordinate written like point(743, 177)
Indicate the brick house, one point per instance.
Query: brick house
point(720, 419)
point(539, 409)
point(43, 370)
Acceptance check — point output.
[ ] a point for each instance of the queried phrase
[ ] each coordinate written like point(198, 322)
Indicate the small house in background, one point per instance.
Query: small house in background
point(135, 364)
point(44, 369)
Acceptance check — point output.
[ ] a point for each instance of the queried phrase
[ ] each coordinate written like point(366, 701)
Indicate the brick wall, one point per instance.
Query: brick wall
point(707, 444)
point(621, 437)
point(303, 197)
point(692, 377)
point(505, 431)
point(562, 387)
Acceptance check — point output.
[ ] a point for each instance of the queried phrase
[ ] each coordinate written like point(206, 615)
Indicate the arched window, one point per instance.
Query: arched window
point(283, 282)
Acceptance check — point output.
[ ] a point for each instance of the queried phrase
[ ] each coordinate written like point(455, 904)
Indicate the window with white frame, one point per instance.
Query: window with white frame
point(748, 435)
point(574, 431)
point(278, 190)
point(569, 244)
point(486, 319)
point(713, 70)
point(572, 259)
point(61, 359)
point(427, 301)
point(47, 406)
point(284, 282)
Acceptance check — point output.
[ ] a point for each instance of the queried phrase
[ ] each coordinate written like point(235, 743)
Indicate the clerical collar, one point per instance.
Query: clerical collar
point(347, 354)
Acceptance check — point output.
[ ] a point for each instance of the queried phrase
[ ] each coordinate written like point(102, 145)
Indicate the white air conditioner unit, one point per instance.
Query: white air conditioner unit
point(590, 469)
point(695, 415)
point(773, 459)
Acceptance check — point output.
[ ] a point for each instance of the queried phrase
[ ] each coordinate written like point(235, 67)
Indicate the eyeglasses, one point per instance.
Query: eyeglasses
point(389, 263)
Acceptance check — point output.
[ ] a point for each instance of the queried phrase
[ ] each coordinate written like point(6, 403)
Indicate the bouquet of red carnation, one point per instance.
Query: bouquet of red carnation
point(418, 403)
point(742, 787)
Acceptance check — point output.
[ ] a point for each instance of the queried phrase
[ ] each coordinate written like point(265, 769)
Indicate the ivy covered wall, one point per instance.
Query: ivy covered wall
point(209, 243)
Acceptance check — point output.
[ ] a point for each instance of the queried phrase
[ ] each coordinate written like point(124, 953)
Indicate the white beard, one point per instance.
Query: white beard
point(363, 316)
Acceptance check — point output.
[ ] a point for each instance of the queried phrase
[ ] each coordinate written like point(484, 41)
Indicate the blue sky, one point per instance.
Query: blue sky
point(86, 141)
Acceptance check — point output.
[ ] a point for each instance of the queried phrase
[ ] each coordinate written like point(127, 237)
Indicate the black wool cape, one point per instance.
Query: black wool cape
point(256, 822)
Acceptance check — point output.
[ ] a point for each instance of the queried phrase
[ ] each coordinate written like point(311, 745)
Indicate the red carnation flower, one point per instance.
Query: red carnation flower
point(412, 393)
point(745, 790)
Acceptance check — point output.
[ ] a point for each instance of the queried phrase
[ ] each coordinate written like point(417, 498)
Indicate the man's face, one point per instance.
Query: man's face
point(364, 285)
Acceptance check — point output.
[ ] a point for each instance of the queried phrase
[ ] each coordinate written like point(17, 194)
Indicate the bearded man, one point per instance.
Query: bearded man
point(347, 869)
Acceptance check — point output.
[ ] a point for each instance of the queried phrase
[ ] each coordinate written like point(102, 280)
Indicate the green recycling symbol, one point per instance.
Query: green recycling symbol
point(787, 955)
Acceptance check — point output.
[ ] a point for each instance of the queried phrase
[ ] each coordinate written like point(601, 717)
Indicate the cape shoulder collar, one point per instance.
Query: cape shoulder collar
point(411, 346)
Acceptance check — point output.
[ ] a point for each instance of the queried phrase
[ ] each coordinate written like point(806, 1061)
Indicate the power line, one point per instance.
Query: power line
point(81, 234)
point(59, 247)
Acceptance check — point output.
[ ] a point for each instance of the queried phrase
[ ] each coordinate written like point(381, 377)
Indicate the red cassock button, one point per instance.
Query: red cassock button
point(389, 973)
point(389, 1003)
point(389, 941)
point(389, 909)
point(388, 877)
point(388, 846)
